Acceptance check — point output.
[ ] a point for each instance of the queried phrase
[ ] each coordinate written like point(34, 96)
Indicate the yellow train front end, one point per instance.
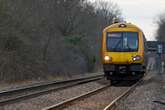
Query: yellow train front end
point(123, 52)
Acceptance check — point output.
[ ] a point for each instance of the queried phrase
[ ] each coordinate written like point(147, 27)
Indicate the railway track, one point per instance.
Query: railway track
point(60, 105)
point(117, 100)
point(23, 93)
point(65, 104)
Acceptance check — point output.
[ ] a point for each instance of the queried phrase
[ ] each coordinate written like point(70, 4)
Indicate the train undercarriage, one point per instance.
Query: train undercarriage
point(116, 72)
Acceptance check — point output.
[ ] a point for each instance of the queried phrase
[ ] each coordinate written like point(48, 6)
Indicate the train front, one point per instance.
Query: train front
point(123, 52)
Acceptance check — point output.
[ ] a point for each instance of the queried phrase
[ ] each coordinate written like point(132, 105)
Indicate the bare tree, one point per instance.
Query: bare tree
point(39, 38)
point(161, 27)
point(108, 10)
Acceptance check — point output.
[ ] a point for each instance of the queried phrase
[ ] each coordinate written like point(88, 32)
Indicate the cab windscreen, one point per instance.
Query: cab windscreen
point(122, 41)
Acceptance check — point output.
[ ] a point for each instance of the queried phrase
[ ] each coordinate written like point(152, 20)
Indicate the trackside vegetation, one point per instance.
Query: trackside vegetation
point(45, 38)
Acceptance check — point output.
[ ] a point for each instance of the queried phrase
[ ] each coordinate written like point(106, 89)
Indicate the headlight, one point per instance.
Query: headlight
point(136, 58)
point(107, 58)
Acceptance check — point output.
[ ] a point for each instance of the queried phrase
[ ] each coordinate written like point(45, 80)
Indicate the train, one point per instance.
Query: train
point(123, 52)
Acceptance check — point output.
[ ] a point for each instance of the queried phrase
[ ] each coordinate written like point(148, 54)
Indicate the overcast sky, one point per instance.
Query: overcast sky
point(143, 13)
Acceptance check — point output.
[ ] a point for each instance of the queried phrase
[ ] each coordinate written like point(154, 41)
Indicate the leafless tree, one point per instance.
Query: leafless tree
point(41, 38)
point(161, 28)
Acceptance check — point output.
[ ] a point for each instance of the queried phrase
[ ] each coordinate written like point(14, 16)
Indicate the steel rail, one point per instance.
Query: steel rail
point(62, 104)
point(116, 101)
point(65, 84)
point(44, 84)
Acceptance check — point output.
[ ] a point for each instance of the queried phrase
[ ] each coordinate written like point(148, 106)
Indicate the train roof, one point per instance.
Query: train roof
point(117, 25)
